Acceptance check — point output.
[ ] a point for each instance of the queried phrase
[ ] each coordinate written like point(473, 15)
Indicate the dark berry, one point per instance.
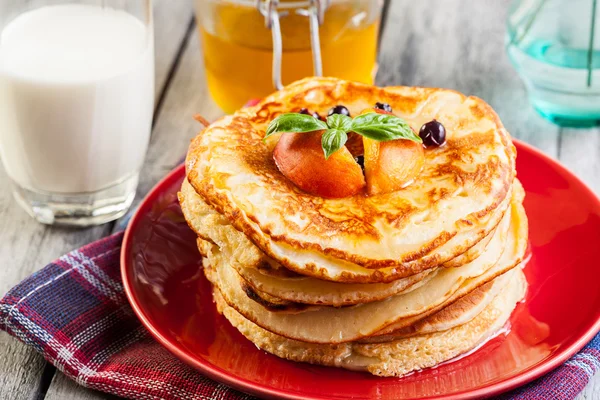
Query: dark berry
point(433, 134)
point(360, 160)
point(339, 110)
point(383, 106)
point(305, 111)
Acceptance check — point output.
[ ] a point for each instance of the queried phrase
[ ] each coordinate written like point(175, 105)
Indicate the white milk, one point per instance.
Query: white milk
point(76, 97)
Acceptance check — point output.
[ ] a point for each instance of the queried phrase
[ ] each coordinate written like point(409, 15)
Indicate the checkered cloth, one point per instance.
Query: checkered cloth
point(75, 313)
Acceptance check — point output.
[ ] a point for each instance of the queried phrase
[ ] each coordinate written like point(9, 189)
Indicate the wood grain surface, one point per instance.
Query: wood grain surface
point(457, 44)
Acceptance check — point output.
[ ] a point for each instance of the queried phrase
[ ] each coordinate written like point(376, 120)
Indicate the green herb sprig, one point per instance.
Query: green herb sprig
point(380, 127)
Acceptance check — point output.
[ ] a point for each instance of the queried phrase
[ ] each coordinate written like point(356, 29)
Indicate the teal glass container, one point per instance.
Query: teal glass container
point(555, 47)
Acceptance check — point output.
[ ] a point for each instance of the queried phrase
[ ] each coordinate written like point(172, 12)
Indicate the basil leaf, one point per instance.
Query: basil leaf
point(339, 121)
point(383, 127)
point(293, 122)
point(333, 140)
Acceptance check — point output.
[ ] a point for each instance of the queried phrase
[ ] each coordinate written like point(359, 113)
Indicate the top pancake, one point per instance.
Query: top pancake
point(458, 198)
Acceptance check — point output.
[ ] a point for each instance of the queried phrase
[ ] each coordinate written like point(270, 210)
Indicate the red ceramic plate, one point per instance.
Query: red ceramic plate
point(160, 267)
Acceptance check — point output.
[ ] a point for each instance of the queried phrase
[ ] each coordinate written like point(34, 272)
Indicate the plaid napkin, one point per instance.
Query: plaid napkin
point(75, 313)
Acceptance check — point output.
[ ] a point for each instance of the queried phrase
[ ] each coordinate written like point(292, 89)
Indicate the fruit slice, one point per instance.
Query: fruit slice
point(391, 165)
point(300, 158)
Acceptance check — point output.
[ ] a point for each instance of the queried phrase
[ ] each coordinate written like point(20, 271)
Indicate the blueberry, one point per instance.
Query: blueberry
point(305, 111)
point(433, 134)
point(383, 106)
point(339, 109)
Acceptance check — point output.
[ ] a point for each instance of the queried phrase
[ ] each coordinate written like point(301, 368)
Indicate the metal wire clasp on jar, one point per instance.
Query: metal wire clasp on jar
point(272, 10)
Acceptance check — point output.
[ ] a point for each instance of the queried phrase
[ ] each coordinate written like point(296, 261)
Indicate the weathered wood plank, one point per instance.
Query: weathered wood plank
point(459, 44)
point(580, 152)
point(591, 391)
point(28, 245)
point(63, 388)
point(20, 369)
point(171, 20)
point(175, 127)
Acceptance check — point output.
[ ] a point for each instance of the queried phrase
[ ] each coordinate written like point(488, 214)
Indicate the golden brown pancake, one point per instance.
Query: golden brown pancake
point(386, 283)
point(266, 281)
point(394, 358)
point(456, 201)
point(308, 290)
point(461, 311)
point(337, 325)
point(235, 245)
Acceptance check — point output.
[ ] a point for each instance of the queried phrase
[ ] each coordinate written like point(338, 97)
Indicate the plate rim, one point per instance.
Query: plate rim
point(222, 376)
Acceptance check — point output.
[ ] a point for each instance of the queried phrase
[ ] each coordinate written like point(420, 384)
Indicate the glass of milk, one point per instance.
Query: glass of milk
point(76, 105)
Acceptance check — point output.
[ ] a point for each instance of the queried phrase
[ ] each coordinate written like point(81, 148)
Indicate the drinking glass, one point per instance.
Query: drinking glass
point(555, 47)
point(76, 104)
point(252, 48)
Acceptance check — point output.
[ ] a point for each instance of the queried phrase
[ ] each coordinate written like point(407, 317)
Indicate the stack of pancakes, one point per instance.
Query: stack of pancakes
point(387, 284)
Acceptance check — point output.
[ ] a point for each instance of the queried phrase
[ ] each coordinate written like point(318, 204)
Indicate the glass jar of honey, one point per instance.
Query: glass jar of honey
point(251, 47)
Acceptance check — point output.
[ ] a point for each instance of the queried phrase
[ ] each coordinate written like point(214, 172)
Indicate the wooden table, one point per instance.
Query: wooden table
point(457, 44)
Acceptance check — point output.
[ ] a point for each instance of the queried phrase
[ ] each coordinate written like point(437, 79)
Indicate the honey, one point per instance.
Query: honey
point(238, 49)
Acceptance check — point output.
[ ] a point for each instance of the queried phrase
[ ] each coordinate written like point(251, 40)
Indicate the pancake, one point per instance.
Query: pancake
point(214, 227)
point(384, 283)
point(472, 253)
point(271, 303)
point(457, 200)
point(338, 325)
point(268, 282)
point(460, 312)
point(309, 290)
point(317, 292)
point(395, 358)
point(519, 229)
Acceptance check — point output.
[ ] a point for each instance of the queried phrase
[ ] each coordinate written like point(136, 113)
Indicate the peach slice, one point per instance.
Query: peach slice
point(391, 165)
point(300, 159)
